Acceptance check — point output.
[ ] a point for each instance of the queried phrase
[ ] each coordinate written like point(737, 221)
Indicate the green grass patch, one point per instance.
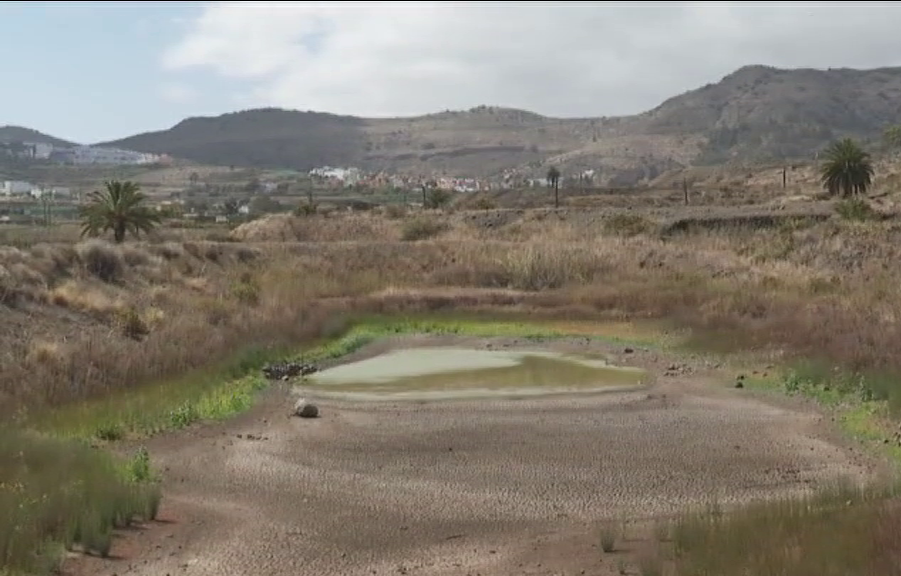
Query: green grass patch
point(220, 393)
point(143, 410)
point(58, 493)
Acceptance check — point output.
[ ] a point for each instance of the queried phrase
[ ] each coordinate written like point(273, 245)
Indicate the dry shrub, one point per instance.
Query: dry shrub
point(395, 211)
point(102, 260)
point(422, 228)
point(83, 297)
point(627, 225)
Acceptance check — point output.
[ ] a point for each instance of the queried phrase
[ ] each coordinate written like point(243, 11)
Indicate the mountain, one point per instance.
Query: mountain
point(9, 134)
point(757, 113)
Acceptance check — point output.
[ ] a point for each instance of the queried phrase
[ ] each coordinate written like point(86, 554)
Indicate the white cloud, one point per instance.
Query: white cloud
point(177, 93)
point(560, 58)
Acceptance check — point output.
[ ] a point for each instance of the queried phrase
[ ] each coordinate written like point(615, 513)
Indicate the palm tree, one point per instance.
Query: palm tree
point(553, 179)
point(118, 208)
point(847, 169)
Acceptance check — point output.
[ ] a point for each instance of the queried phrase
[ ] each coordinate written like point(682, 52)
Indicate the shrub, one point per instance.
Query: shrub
point(855, 209)
point(246, 290)
point(132, 324)
point(627, 225)
point(395, 211)
point(422, 229)
point(485, 203)
point(305, 209)
point(608, 537)
point(437, 198)
point(102, 260)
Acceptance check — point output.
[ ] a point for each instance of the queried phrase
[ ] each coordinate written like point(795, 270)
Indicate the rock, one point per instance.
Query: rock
point(304, 409)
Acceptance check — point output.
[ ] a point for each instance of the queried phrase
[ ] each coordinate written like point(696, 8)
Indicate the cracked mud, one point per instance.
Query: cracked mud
point(484, 486)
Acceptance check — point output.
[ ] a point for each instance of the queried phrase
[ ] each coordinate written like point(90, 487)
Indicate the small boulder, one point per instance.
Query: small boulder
point(305, 409)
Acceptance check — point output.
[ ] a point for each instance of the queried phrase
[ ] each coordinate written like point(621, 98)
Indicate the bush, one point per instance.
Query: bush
point(102, 260)
point(246, 290)
point(395, 211)
point(608, 537)
point(627, 225)
point(132, 324)
point(305, 209)
point(437, 198)
point(485, 203)
point(855, 209)
point(422, 229)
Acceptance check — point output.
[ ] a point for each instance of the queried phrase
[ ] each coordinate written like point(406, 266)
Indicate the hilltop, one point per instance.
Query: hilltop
point(755, 114)
point(9, 134)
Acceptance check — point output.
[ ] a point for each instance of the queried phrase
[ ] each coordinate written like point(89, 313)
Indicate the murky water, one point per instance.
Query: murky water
point(443, 372)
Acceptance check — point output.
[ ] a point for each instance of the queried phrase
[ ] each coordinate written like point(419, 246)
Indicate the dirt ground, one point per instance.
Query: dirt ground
point(497, 487)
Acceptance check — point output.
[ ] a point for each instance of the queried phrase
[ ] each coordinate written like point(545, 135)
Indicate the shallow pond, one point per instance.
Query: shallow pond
point(443, 372)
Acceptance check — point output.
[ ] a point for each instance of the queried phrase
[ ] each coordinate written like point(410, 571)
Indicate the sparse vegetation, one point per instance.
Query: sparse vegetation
point(421, 229)
point(58, 494)
point(608, 537)
point(856, 209)
point(842, 530)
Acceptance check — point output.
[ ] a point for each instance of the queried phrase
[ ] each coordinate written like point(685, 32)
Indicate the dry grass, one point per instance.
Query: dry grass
point(88, 320)
point(122, 315)
point(842, 531)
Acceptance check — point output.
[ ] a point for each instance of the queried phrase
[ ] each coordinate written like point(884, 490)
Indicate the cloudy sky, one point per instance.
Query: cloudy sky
point(90, 71)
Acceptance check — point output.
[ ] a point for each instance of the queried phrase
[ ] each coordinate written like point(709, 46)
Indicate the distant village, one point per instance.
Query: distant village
point(26, 201)
point(80, 155)
point(350, 177)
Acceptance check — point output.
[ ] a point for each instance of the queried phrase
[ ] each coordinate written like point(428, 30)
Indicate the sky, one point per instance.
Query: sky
point(95, 71)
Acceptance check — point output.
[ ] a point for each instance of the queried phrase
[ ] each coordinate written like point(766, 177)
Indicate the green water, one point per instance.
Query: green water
point(445, 373)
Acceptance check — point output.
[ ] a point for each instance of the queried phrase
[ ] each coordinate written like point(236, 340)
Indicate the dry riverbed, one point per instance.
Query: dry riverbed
point(483, 486)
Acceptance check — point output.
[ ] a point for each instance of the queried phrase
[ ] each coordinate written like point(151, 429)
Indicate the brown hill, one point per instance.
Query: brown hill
point(757, 113)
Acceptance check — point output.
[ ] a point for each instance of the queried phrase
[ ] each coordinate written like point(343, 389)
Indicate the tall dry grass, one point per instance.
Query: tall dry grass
point(90, 317)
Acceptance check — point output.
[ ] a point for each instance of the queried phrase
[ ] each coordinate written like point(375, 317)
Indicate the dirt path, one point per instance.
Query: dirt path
point(481, 487)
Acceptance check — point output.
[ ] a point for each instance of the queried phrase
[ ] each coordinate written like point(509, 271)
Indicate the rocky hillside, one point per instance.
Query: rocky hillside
point(755, 114)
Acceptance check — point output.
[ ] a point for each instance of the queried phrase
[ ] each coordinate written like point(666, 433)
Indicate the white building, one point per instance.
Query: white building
point(93, 155)
point(15, 187)
point(349, 176)
point(54, 193)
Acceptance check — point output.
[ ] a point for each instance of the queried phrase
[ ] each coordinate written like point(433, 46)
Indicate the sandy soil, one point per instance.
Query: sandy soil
point(498, 487)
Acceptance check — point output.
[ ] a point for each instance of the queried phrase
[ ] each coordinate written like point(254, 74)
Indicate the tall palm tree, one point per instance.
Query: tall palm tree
point(847, 169)
point(553, 179)
point(120, 208)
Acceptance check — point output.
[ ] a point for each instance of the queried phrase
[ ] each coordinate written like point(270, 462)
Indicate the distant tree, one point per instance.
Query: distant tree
point(120, 207)
point(553, 179)
point(892, 137)
point(230, 207)
point(194, 178)
point(847, 169)
point(437, 198)
point(426, 187)
point(265, 205)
